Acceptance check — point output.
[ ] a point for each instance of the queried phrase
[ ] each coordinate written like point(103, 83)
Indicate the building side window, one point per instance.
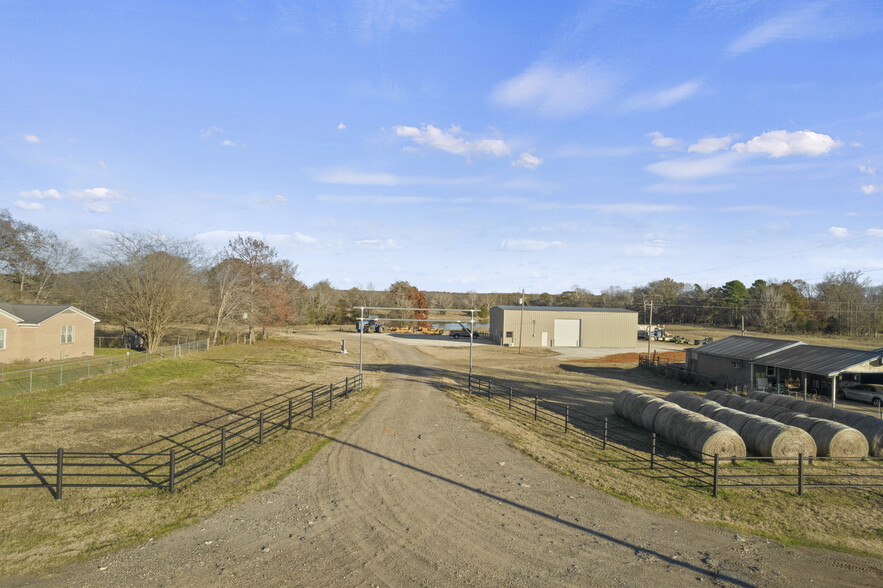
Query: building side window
point(770, 371)
point(67, 334)
point(2, 339)
point(508, 334)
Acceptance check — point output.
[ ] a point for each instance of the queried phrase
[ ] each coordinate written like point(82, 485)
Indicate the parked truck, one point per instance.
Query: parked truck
point(370, 324)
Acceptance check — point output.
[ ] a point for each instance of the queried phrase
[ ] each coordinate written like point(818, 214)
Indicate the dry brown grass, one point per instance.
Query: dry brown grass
point(125, 410)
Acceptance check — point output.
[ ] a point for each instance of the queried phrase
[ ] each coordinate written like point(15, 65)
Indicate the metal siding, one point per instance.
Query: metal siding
point(598, 328)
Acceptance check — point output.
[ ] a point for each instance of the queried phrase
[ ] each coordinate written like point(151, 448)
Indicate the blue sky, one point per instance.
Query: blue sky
point(488, 146)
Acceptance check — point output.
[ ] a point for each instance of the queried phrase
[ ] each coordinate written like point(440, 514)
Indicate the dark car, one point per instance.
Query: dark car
point(872, 393)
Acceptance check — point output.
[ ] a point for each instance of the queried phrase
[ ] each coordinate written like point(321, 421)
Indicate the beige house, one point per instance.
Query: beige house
point(561, 326)
point(44, 332)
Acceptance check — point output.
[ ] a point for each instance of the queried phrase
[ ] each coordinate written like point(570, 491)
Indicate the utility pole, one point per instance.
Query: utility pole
point(521, 327)
point(650, 330)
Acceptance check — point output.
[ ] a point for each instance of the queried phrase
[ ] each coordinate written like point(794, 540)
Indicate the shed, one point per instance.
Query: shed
point(39, 332)
point(563, 326)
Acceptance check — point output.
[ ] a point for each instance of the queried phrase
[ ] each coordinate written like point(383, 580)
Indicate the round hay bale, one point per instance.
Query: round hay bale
point(735, 419)
point(648, 414)
point(757, 395)
point(766, 410)
point(836, 439)
point(709, 409)
point(872, 429)
point(629, 403)
point(803, 406)
point(702, 436)
point(716, 395)
point(686, 400)
point(735, 401)
point(781, 400)
point(768, 438)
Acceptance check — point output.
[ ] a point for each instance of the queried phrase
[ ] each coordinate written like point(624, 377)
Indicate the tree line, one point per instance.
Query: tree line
point(149, 284)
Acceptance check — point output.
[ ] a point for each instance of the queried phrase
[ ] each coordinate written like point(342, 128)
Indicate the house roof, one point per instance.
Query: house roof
point(819, 360)
point(746, 348)
point(34, 314)
point(563, 308)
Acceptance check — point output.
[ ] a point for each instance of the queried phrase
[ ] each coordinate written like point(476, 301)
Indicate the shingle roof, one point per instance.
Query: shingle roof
point(746, 348)
point(819, 360)
point(34, 314)
point(564, 308)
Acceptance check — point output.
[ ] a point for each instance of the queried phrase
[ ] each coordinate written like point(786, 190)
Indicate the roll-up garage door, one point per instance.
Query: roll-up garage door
point(566, 333)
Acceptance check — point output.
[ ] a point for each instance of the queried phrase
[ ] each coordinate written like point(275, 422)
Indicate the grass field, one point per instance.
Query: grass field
point(122, 411)
point(847, 519)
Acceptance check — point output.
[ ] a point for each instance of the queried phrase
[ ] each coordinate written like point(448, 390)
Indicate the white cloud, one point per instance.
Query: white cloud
point(277, 199)
point(867, 169)
point(377, 18)
point(219, 238)
point(29, 205)
point(681, 188)
point(782, 143)
point(209, 132)
point(92, 199)
point(103, 165)
point(839, 232)
point(380, 244)
point(453, 141)
point(875, 232)
point(869, 189)
point(528, 245)
point(371, 199)
point(691, 167)
point(661, 141)
point(31, 138)
point(640, 250)
point(52, 194)
point(228, 143)
point(663, 98)
point(528, 161)
point(341, 127)
point(556, 91)
point(710, 145)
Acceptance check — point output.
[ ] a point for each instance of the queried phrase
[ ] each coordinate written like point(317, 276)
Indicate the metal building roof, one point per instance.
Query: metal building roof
point(819, 360)
point(34, 314)
point(746, 348)
point(564, 308)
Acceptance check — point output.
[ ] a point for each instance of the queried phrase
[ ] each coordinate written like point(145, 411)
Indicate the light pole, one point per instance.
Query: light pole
point(361, 329)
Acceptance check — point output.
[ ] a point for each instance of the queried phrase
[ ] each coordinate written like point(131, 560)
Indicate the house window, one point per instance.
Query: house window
point(2, 339)
point(67, 334)
point(508, 334)
point(770, 371)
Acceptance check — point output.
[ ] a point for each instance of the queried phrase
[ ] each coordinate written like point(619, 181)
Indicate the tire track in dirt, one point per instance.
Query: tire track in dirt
point(415, 492)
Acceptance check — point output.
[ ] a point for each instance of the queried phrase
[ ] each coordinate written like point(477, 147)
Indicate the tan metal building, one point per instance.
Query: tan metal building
point(563, 326)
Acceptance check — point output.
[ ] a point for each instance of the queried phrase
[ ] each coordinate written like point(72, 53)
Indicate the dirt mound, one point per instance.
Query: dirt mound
point(674, 356)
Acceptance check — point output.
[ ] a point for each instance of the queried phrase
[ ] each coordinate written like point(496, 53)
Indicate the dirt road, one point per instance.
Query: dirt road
point(415, 493)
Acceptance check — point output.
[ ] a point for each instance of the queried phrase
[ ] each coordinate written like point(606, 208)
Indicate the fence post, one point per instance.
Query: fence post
point(604, 442)
point(61, 375)
point(566, 417)
point(536, 402)
point(716, 472)
point(652, 450)
point(313, 403)
point(330, 396)
point(59, 474)
point(171, 470)
point(223, 446)
point(489, 389)
point(31, 383)
point(289, 414)
point(800, 474)
point(346, 388)
point(261, 429)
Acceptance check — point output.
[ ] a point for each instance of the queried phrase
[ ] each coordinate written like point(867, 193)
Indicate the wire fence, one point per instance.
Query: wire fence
point(640, 451)
point(176, 460)
point(58, 374)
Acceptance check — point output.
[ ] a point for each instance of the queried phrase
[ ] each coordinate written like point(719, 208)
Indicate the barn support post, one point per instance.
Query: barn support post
point(833, 391)
point(805, 385)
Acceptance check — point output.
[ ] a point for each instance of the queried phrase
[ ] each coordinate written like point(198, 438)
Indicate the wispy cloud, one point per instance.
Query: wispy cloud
point(341, 127)
point(867, 169)
point(684, 188)
point(25, 205)
point(357, 178)
point(381, 244)
point(869, 189)
point(272, 201)
point(557, 91)
point(528, 245)
point(660, 99)
point(692, 167)
point(711, 145)
point(874, 232)
point(371, 199)
point(31, 139)
point(662, 142)
point(378, 18)
point(228, 143)
point(453, 141)
point(640, 250)
point(91, 199)
point(812, 20)
point(220, 237)
point(839, 232)
point(528, 161)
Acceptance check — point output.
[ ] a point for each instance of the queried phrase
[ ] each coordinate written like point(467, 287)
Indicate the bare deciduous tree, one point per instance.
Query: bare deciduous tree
point(152, 283)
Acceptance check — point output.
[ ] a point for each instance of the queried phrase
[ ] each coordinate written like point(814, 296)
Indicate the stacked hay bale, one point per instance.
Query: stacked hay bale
point(763, 436)
point(702, 436)
point(869, 426)
point(832, 439)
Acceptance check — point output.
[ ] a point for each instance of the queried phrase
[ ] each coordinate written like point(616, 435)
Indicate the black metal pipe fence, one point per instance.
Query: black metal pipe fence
point(634, 449)
point(179, 461)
